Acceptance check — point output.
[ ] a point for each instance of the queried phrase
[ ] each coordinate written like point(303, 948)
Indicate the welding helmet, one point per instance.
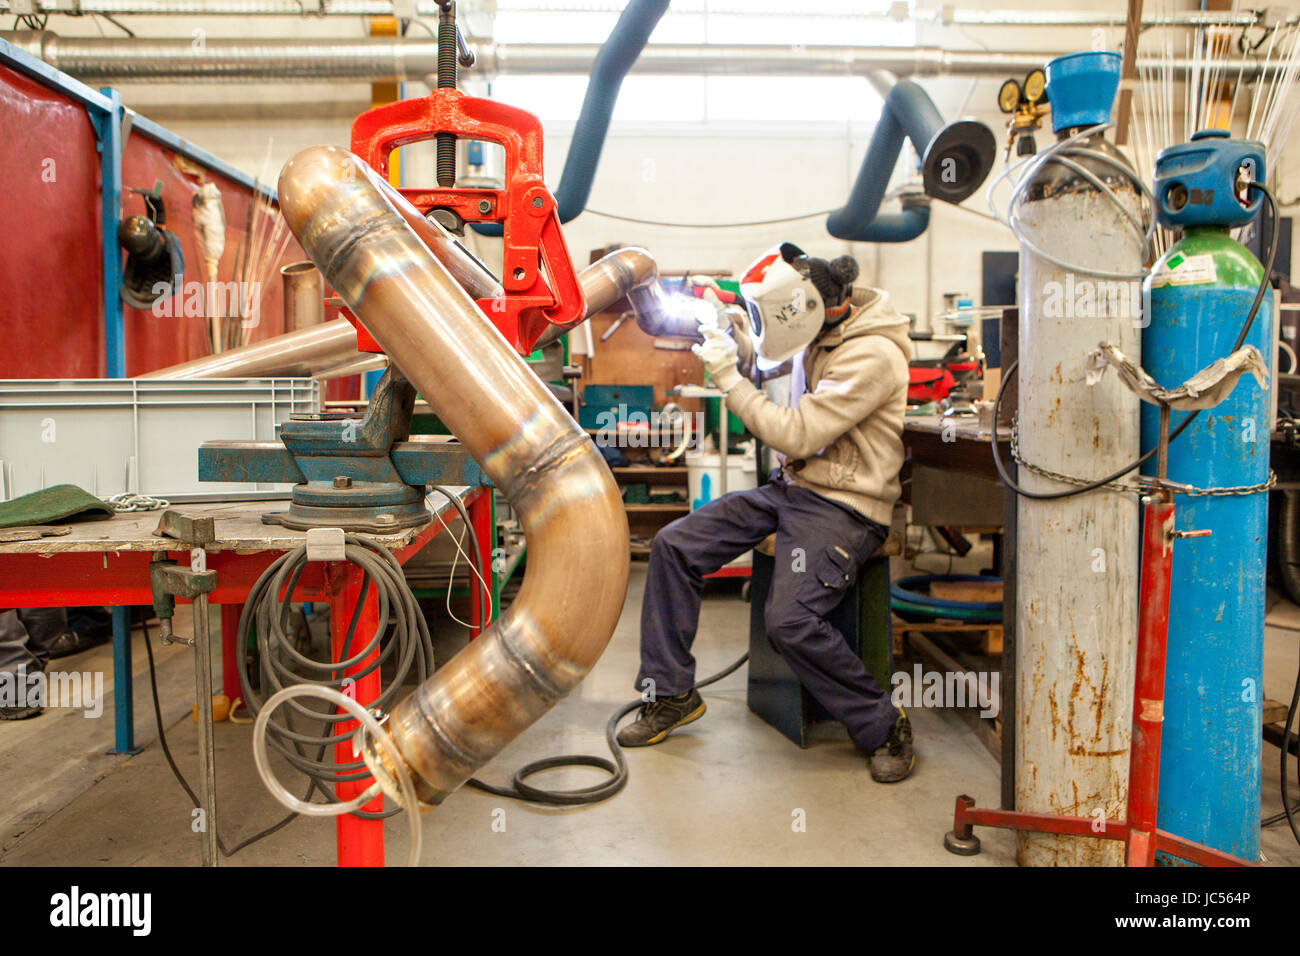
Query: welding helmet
point(790, 296)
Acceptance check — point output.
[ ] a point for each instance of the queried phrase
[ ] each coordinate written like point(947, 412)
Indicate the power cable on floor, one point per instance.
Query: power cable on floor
point(617, 769)
point(180, 777)
point(519, 788)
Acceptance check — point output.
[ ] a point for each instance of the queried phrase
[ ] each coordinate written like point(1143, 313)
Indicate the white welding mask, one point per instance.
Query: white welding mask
point(785, 309)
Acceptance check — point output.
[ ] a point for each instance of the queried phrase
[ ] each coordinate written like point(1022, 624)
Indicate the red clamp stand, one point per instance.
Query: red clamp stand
point(541, 286)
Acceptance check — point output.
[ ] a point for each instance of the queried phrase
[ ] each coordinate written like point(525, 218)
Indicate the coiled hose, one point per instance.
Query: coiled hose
point(281, 665)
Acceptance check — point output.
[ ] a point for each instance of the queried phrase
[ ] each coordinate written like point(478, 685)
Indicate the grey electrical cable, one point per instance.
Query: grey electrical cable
point(1058, 153)
point(282, 665)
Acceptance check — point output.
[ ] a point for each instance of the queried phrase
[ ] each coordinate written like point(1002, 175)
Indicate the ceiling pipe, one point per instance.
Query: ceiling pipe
point(954, 160)
point(941, 16)
point(616, 57)
point(176, 60)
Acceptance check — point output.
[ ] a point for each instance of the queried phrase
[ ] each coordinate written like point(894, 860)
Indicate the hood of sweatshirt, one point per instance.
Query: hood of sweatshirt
point(873, 313)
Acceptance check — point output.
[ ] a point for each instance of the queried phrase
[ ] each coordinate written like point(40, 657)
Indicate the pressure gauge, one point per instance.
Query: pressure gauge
point(1035, 85)
point(1009, 96)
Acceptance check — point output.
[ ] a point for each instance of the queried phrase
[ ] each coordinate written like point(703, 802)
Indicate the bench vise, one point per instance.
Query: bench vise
point(356, 474)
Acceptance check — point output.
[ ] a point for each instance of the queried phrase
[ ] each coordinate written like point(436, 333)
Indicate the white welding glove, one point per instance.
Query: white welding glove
point(718, 352)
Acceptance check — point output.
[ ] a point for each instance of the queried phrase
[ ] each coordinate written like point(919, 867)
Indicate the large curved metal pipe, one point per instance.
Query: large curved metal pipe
point(330, 349)
point(630, 272)
point(534, 452)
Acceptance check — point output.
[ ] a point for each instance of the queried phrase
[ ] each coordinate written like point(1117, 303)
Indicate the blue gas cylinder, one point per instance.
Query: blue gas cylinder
point(1195, 300)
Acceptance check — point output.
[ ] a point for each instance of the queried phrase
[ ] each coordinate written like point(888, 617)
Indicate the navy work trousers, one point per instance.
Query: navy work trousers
point(820, 546)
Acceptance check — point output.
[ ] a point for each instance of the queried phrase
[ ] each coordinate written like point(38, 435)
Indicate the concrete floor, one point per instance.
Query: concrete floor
point(727, 790)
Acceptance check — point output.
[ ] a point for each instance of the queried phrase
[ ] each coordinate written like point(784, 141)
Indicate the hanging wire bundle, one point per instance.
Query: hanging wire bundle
point(1242, 79)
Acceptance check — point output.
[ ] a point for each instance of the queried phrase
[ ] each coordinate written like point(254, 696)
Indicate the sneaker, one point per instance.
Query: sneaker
point(24, 712)
point(661, 717)
point(893, 760)
point(21, 713)
point(70, 642)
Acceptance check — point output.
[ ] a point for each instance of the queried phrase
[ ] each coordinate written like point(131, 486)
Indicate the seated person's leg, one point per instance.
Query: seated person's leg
point(819, 549)
point(683, 553)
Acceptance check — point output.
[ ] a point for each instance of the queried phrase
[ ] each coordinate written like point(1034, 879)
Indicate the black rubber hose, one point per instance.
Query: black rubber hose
point(180, 777)
point(519, 789)
point(1241, 337)
point(1288, 545)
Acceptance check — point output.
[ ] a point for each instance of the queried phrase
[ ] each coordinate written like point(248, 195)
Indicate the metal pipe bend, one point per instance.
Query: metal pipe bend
point(565, 496)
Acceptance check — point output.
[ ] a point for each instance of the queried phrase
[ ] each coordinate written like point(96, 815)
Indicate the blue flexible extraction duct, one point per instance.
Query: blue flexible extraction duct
point(616, 56)
point(908, 112)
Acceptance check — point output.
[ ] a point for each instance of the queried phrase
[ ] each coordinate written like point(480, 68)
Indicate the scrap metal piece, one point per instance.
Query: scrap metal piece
point(192, 531)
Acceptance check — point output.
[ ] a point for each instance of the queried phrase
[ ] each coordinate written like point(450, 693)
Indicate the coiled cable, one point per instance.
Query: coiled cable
point(1060, 153)
point(369, 725)
point(616, 768)
point(303, 736)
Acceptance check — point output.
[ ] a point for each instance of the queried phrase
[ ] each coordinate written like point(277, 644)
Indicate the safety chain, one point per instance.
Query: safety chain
point(126, 501)
point(1130, 487)
point(1236, 490)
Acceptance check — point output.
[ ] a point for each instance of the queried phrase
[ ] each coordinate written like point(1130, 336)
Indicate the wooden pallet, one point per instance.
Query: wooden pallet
point(990, 635)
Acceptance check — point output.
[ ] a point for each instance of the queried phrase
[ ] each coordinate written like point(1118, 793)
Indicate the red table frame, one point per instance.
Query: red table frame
point(121, 579)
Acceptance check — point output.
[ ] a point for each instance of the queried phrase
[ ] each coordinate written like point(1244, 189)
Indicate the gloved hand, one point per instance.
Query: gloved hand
point(718, 353)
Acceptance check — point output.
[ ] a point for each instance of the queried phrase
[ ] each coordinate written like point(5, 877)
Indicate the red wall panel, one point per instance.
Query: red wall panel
point(154, 341)
point(51, 288)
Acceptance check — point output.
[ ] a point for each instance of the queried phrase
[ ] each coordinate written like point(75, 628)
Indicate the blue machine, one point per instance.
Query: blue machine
point(1196, 299)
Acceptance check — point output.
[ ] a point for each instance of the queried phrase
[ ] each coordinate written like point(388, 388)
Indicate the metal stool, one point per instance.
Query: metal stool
point(775, 693)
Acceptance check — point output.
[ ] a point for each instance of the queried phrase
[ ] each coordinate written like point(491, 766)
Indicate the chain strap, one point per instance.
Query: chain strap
point(1130, 487)
point(1124, 487)
point(1236, 490)
point(126, 501)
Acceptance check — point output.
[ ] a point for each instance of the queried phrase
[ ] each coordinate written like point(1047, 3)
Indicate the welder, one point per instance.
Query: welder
point(829, 502)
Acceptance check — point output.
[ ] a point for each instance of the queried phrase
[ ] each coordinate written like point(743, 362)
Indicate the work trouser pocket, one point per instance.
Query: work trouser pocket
point(835, 567)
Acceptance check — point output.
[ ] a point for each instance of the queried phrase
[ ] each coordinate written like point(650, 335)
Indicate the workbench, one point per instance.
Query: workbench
point(962, 445)
point(106, 562)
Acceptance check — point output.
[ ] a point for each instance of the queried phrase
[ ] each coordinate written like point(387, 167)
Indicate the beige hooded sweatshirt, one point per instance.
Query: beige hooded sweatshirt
point(843, 440)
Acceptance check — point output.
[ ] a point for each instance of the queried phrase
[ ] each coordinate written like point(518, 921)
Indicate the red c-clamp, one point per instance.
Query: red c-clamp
point(541, 286)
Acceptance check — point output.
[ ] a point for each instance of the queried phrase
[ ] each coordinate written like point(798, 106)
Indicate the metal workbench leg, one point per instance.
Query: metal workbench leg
point(232, 646)
point(207, 742)
point(360, 842)
point(123, 701)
